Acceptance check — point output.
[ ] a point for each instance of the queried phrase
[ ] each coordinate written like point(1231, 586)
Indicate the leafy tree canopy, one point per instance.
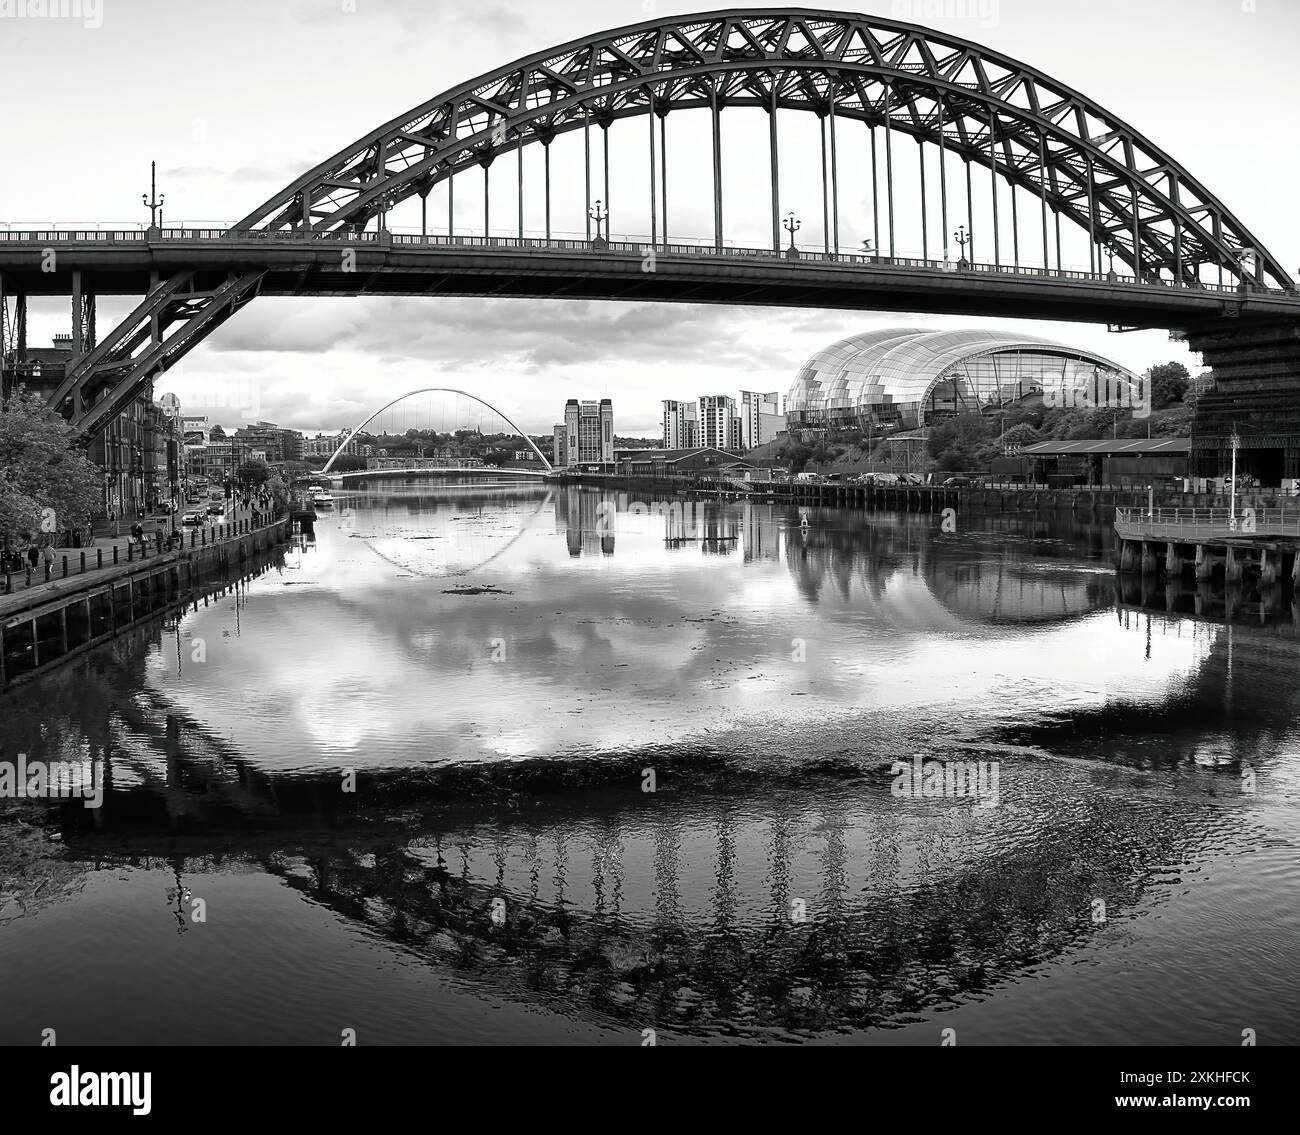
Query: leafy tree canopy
point(253, 472)
point(1169, 383)
point(47, 484)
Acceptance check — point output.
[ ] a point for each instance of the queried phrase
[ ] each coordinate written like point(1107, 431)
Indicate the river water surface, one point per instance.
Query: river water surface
point(518, 763)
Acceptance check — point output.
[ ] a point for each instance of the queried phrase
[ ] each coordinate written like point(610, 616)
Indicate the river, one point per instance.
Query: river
point(486, 763)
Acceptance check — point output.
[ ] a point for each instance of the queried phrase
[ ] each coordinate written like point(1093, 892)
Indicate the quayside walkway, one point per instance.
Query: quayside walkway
point(44, 623)
point(1169, 540)
point(109, 551)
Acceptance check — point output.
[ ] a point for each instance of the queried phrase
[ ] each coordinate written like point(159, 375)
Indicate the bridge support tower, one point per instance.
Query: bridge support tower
point(1256, 393)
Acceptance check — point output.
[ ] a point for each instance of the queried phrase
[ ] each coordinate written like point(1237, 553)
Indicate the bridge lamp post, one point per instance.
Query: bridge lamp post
point(598, 215)
point(962, 239)
point(792, 225)
point(1110, 274)
point(151, 200)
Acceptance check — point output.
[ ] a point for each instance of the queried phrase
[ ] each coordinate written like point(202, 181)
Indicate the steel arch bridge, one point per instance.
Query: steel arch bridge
point(433, 390)
point(1188, 263)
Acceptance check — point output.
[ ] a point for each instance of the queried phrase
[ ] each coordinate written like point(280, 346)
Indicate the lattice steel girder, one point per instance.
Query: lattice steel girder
point(13, 327)
point(810, 57)
point(127, 360)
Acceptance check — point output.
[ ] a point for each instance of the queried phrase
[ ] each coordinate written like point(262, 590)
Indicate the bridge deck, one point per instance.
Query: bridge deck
point(436, 471)
point(121, 261)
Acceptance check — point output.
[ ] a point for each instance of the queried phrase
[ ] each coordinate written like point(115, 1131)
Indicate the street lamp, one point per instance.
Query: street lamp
point(155, 205)
point(1232, 491)
point(962, 239)
point(598, 215)
point(792, 226)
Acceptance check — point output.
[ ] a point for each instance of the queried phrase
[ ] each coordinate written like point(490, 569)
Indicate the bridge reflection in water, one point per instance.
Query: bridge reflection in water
point(776, 909)
point(765, 900)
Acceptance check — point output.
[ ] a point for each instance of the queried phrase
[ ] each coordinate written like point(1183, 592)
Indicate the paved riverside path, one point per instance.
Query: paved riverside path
point(25, 595)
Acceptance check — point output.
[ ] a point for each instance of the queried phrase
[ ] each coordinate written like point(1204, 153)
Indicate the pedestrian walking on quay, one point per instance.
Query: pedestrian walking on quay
point(47, 555)
point(33, 555)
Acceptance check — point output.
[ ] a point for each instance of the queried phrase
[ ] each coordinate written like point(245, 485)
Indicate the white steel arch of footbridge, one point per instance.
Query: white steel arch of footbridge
point(432, 390)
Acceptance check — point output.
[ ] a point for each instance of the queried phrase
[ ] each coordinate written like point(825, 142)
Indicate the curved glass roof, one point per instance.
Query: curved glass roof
point(900, 365)
point(828, 367)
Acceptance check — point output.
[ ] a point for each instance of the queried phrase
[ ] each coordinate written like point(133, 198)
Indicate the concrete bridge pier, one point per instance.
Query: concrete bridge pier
point(1204, 562)
point(1149, 563)
point(1231, 565)
point(1295, 569)
point(1173, 560)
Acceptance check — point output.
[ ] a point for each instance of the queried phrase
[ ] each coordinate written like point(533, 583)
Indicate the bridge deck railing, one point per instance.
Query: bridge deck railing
point(629, 248)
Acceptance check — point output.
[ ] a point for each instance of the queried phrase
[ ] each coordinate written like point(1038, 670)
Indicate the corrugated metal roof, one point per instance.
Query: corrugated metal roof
point(1110, 447)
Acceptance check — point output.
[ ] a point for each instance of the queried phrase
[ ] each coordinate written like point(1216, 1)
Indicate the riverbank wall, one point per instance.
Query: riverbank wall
point(45, 625)
point(928, 498)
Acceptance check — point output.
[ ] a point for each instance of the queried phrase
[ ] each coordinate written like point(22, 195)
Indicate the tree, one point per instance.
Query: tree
point(1169, 383)
point(1019, 436)
point(797, 454)
point(253, 472)
point(279, 493)
point(954, 443)
point(46, 482)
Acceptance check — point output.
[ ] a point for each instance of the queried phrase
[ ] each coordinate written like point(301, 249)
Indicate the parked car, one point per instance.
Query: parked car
point(956, 482)
point(193, 516)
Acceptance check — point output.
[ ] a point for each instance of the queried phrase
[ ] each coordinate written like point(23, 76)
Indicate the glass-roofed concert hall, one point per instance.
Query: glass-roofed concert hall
point(903, 377)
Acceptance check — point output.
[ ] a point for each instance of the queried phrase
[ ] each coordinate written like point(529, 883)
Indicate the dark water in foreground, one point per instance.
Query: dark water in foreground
point(498, 672)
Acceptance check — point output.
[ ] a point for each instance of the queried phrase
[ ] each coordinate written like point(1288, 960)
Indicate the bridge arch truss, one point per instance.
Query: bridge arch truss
point(432, 390)
point(1032, 132)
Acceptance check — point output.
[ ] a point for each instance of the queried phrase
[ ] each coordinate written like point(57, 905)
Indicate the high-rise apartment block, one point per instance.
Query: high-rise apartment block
point(587, 435)
point(760, 418)
point(681, 427)
point(714, 413)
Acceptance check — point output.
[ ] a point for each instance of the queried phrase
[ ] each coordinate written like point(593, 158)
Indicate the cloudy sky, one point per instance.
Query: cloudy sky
point(235, 99)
